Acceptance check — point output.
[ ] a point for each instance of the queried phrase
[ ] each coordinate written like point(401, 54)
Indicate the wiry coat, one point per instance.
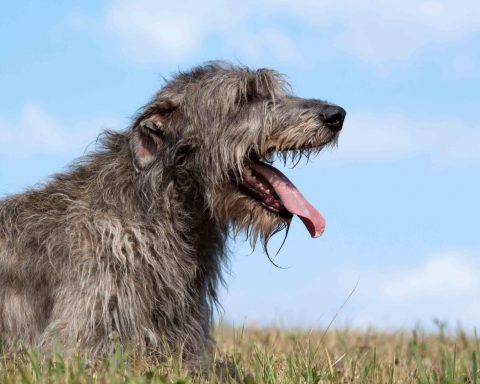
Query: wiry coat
point(129, 243)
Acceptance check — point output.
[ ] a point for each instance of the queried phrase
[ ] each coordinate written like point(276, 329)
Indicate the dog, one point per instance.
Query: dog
point(128, 245)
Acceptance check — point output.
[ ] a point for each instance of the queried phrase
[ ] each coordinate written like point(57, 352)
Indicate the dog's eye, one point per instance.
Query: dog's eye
point(168, 111)
point(242, 98)
point(249, 97)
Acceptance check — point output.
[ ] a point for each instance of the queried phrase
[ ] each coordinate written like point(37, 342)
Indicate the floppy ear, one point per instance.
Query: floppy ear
point(148, 134)
point(147, 140)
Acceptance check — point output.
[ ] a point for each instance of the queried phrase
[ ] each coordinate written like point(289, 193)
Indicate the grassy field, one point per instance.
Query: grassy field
point(278, 356)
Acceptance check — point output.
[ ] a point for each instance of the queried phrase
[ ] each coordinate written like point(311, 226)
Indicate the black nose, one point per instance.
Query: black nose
point(333, 117)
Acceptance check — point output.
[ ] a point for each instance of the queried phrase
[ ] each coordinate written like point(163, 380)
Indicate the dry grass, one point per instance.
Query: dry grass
point(278, 356)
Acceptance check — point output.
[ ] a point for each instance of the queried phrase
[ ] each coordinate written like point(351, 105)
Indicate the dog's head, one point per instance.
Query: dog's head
point(218, 128)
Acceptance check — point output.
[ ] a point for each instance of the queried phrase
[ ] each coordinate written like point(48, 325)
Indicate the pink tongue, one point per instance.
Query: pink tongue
point(291, 198)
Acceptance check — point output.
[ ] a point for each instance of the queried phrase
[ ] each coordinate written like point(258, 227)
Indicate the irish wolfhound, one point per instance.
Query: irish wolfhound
point(129, 243)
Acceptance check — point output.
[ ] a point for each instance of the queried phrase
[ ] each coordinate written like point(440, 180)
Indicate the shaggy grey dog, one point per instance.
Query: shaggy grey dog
point(128, 245)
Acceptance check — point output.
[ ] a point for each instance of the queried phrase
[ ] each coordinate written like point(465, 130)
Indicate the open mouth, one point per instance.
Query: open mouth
point(275, 192)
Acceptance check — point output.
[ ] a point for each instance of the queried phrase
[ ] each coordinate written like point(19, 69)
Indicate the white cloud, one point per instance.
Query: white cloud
point(376, 138)
point(382, 30)
point(445, 285)
point(449, 273)
point(375, 31)
point(268, 41)
point(36, 132)
point(168, 30)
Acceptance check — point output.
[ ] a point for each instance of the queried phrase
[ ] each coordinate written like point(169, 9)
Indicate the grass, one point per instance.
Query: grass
point(278, 356)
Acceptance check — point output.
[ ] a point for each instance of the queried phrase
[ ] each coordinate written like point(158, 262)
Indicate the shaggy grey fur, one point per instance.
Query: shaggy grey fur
point(129, 243)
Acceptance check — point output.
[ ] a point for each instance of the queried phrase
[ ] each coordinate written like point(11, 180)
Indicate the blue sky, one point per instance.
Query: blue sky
point(400, 194)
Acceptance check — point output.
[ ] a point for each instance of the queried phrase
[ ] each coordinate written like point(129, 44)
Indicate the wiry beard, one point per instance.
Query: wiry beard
point(242, 215)
point(238, 212)
point(292, 157)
